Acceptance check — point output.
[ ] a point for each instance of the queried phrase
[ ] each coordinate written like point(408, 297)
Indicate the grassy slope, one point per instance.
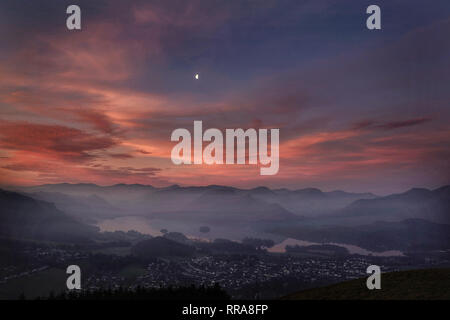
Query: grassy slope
point(428, 284)
point(35, 285)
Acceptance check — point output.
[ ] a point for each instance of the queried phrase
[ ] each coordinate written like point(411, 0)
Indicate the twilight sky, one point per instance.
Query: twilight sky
point(358, 110)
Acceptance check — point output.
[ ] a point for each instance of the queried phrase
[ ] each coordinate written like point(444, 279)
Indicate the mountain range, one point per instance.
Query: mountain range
point(399, 221)
point(432, 205)
point(261, 203)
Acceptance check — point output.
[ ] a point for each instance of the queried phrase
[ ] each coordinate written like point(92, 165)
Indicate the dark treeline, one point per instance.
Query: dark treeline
point(140, 293)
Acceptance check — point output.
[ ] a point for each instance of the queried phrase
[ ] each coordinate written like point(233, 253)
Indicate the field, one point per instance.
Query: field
point(36, 285)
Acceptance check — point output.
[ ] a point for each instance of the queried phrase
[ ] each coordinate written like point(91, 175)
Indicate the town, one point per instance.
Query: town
point(242, 276)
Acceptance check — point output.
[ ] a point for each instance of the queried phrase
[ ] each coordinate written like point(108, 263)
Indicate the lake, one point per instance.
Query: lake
point(352, 249)
point(153, 226)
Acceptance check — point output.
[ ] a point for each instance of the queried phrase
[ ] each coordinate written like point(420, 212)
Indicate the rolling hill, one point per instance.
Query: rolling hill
point(161, 247)
point(406, 235)
point(25, 217)
point(431, 205)
point(426, 284)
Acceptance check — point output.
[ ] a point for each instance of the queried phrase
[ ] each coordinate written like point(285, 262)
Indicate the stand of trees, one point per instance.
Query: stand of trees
point(140, 293)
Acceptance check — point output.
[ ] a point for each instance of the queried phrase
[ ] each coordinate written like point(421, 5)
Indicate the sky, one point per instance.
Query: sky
point(357, 109)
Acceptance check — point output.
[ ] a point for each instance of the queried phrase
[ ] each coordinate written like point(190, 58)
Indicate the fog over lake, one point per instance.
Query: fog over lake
point(190, 229)
point(136, 223)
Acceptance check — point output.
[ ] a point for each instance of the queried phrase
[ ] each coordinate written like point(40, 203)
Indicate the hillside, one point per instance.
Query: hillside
point(427, 284)
point(84, 208)
point(161, 247)
point(406, 235)
point(431, 205)
point(23, 217)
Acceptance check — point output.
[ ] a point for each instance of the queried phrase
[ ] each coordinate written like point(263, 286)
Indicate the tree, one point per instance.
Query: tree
point(259, 244)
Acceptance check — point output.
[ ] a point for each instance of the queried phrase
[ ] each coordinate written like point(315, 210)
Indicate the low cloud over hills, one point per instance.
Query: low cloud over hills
point(416, 218)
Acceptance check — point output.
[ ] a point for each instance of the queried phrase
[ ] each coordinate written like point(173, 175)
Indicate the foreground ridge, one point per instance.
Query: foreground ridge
point(425, 284)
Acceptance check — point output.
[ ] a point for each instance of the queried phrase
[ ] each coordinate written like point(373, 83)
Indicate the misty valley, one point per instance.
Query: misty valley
point(253, 243)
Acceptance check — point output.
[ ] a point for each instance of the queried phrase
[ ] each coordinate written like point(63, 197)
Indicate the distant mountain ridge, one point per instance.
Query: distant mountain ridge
point(432, 205)
point(260, 203)
point(89, 188)
point(145, 198)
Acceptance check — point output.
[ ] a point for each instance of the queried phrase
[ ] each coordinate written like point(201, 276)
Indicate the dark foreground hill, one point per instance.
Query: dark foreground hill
point(427, 284)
